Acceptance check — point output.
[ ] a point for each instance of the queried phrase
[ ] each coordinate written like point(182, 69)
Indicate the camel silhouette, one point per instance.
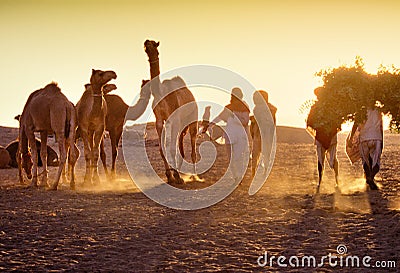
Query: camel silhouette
point(47, 111)
point(92, 110)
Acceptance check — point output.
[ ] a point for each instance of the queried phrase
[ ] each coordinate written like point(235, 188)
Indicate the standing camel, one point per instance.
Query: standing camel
point(47, 111)
point(168, 97)
point(92, 110)
point(116, 109)
point(116, 112)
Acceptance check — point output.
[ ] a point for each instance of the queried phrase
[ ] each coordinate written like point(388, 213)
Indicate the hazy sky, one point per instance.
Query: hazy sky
point(276, 45)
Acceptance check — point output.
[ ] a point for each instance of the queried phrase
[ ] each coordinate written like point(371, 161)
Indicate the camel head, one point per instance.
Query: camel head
point(151, 49)
point(27, 164)
point(107, 88)
point(145, 90)
point(100, 78)
point(144, 82)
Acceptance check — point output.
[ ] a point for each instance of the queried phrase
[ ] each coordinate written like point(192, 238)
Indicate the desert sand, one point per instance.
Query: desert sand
point(114, 227)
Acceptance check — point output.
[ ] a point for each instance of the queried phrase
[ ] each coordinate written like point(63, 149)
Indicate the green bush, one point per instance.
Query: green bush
point(347, 92)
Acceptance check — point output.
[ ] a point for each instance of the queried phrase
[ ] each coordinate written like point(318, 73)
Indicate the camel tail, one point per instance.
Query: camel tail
point(71, 129)
point(67, 128)
point(77, 134)
point(23, 140)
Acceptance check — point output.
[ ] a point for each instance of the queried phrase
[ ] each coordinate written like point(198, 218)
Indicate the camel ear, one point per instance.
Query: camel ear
point(93, 71)
point(17, 117)
point(158, 43)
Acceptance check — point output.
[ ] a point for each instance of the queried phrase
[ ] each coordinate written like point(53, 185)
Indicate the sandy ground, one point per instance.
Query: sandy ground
point(116, 228)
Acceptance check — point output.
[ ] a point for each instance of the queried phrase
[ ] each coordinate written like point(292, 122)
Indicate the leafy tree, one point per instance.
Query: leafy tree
point(347, 92)
point(387, 88)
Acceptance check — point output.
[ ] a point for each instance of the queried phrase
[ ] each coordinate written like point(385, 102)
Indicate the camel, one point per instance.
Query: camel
point(47, 111)
point(116, 112)
point(116, 109)
point(12, 148)
point(115, 117)
point(168, 96)
point(92, 109)
point(5, 158)
point(52, 157)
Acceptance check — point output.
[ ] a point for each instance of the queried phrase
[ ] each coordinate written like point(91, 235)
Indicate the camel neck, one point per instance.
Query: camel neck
point(154, 67)
point(155, 86)
point(96, 89)
point(97, 100)
point(155, 77)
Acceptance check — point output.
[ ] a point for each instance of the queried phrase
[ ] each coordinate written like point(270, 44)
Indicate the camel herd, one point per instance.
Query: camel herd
point(48, 111)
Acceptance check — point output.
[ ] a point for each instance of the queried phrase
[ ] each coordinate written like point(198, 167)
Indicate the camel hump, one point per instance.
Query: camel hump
point(174, 84)
point(52, 90)
point(53, 86)
point(67, 122)
point(115, 104)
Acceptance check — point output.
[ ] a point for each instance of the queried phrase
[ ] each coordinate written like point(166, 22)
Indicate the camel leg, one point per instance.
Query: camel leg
point(115, 137)
point(193, 138)
point(181, 149)
point(65, 172)
point(19, 163)
point(88, 157)
point(98, 136)
point(168, 173)
point(43, 155)
point(113, 153)
point(72, 158)
point(32, 144)
point(63, 158)
point(103, 157)
point(172, 148)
